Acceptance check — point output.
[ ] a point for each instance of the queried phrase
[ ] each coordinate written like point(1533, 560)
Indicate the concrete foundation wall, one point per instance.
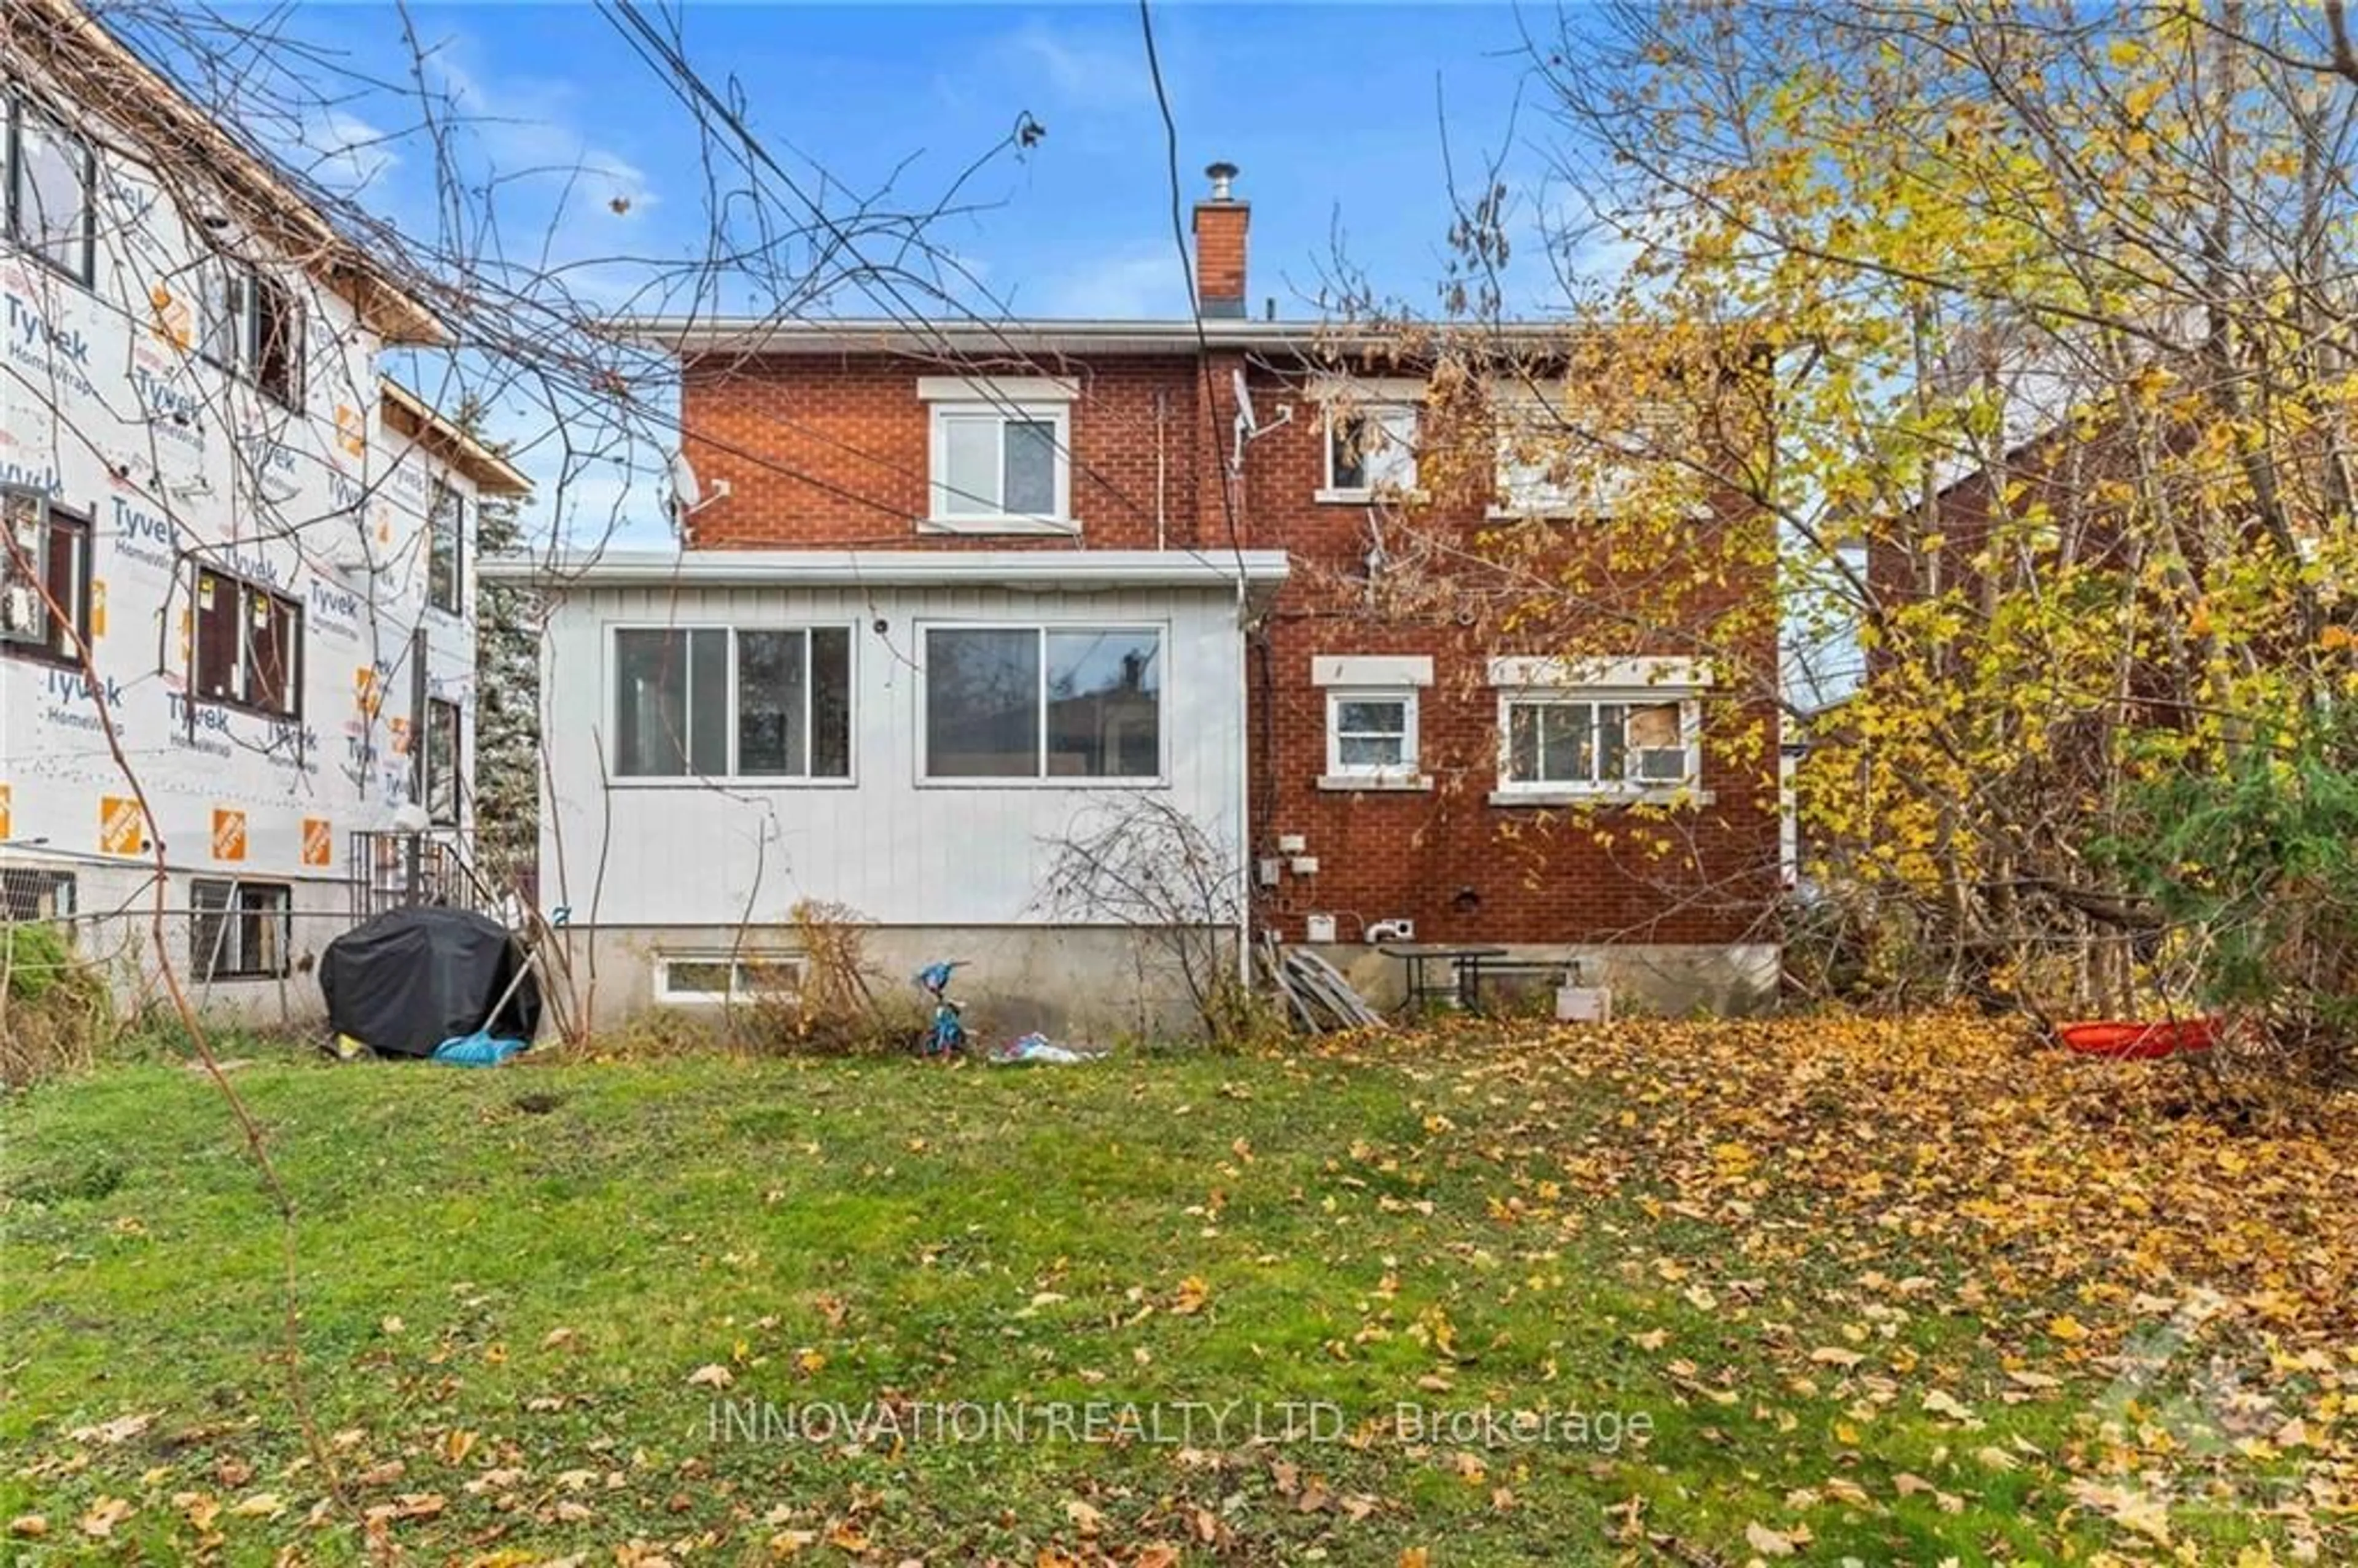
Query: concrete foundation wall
point(1098, 985)
point(1078, 985)
point(113, 933)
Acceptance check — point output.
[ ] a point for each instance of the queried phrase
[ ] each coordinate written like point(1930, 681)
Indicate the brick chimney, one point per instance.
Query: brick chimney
point(1220, 223)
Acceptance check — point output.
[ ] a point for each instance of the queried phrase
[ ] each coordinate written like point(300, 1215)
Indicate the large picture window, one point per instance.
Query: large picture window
point(248, 645)
point(1044, 702)
point(720, 702)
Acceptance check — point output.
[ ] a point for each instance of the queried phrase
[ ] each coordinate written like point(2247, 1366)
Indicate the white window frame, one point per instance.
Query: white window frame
point(610, 693)
point(951, 400)
point(741, 992)
point(1631, 789)
point(1601, 493)
point(1160, 629)
point(1406, 773)
point(1388, 412)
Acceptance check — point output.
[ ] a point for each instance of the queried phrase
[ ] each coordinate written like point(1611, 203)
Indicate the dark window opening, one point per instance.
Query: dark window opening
point(45, 599)
point(446, 526)
point(248, 646)
point(240, 930)
point(441, 758)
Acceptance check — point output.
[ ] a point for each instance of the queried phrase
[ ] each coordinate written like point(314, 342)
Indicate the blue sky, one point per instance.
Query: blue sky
point(1331, 111)
point(1335, 114)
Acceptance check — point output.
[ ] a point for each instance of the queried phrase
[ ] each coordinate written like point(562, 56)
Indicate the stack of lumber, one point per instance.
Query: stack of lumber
point(1317, 995)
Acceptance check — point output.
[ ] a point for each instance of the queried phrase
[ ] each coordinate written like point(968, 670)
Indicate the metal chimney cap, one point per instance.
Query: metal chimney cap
point(1221, 175)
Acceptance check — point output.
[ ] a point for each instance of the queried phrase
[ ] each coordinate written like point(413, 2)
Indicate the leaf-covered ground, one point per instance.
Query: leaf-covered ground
point(1692, 1293)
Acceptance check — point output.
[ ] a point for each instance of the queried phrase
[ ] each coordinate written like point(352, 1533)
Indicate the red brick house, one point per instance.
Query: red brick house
point(1407, 765)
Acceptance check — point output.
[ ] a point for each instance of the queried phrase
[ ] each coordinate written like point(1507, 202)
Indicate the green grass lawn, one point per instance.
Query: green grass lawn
point(1754, 1291)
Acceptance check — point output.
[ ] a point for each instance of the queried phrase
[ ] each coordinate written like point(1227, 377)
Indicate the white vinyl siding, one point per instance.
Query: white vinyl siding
point(894, 847)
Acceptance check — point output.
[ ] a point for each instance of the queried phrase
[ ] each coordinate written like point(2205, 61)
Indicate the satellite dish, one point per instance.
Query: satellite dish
point(685, 490)
point(1244, 402)
point(410, 817)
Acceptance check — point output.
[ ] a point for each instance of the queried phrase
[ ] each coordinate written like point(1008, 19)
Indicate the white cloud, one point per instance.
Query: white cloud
point(1090, 70)
point(344, 152)
point(1133, 286)
point(526, 132)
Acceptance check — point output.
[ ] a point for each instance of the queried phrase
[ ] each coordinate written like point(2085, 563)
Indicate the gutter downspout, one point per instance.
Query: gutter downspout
point(1244, 793)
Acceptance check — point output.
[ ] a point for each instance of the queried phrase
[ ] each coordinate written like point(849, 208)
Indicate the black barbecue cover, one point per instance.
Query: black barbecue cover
point(411, 978)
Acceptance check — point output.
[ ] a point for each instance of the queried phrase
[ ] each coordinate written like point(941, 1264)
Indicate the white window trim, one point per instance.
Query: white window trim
point(737, 994)
point(1404, 775)
point(1603, 493)
point(1332, 494)
point(1024, 399)
point(1688, 791)
point(1162, 779)
point(611, 737)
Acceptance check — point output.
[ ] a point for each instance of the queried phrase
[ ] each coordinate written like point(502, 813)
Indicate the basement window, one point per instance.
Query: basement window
point(240, 930)
point(27, 893)
point(724, 978)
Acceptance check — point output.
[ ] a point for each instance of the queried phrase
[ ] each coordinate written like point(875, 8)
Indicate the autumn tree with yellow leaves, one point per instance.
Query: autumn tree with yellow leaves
point(2045, 324)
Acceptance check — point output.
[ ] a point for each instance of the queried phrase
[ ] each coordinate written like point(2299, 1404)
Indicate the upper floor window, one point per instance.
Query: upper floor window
point(52, 183)
point(248, 646)
point(1370, 450)
point(446, 529)
point(1002, 455)
point(1044, 702)
point(1558, 462)
point(745, 703)
point(45, 598)
point(252, 326)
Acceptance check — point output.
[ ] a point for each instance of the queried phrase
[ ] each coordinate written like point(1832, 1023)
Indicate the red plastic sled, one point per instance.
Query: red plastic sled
point(2125, 1042)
